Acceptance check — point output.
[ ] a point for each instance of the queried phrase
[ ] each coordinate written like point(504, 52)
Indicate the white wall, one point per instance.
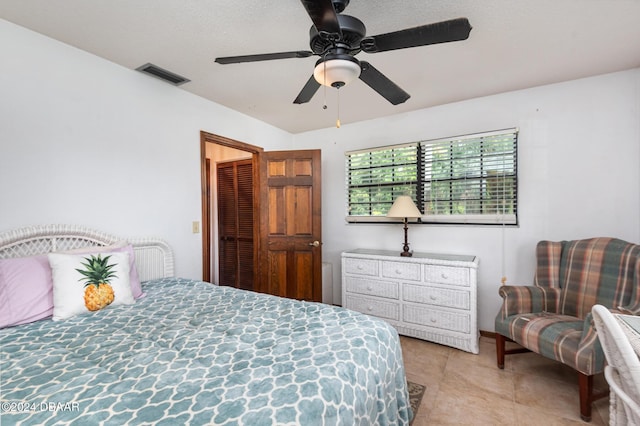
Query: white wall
point(579, 161)
point(86, 141)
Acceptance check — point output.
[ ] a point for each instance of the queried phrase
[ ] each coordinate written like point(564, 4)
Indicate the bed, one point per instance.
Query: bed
point(185, 351)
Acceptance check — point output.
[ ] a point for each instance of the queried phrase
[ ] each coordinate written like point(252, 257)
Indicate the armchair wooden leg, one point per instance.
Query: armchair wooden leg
point(500, 345)
point(586, 396)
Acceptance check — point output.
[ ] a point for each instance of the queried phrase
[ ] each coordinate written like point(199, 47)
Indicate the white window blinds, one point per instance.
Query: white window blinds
point(471, 179)
point(465, 179)
point(376, 177)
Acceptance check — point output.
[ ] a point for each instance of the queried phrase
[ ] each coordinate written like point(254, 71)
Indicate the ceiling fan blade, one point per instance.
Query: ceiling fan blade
point(263, 57)
point(381, 84)
point(323, 15)
point(307, 91)
point(440, 32)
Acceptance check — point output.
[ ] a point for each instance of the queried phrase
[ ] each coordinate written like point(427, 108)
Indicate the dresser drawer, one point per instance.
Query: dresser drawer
point(451, 321)
point(377, 307)
point(371, 287)
point(449, 298)
point(447, 275)
point(401, 270)
point(361, 267)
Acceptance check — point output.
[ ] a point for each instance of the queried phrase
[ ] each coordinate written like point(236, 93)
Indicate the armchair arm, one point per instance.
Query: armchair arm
point(527, 299)
point(589, 333)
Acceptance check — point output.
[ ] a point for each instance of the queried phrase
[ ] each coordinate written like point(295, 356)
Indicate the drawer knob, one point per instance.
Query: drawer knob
point(432, 297)
point(445, 276)
point(369, 288)
point(359, 267)
point(433, 320)
point(369, 308)
point(398, 271)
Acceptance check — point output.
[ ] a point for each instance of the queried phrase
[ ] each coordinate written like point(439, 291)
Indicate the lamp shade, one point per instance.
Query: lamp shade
point(336, 72)
point(404, 207)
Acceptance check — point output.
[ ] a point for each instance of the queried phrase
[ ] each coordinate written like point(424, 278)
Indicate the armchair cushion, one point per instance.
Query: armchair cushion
point(556, 336)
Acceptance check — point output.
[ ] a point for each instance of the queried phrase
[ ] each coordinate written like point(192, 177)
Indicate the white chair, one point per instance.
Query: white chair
point(623, 370)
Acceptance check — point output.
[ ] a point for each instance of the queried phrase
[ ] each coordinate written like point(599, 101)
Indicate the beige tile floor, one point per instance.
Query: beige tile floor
point(468, 389)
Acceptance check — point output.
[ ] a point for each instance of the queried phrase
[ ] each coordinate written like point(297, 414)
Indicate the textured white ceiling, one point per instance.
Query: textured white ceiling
point(513, 45)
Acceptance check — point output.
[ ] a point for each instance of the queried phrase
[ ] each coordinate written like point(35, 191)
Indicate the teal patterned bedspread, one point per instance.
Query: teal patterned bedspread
point(194, 353)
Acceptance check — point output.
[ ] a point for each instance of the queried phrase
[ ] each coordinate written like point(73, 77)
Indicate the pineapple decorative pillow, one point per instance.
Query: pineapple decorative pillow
point(89, 282)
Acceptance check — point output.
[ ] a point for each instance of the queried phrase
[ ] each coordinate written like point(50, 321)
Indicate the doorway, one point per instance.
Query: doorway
point(216, 149)
point(287, 243)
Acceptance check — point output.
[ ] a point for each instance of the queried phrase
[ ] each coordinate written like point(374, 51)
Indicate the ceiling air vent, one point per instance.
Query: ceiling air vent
point(162, 74)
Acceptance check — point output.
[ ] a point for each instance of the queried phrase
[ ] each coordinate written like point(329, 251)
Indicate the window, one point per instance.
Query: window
point(465, 179)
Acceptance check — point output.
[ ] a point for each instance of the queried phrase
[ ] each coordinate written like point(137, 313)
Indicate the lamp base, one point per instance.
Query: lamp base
point(405, 247)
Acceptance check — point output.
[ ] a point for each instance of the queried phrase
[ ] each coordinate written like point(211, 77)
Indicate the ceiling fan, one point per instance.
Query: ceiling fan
point(337, 38)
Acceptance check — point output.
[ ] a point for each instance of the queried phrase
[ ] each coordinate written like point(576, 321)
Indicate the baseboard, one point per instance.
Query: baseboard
point(489, 334)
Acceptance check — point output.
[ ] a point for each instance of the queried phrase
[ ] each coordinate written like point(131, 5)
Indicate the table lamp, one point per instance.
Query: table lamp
point(404, 207)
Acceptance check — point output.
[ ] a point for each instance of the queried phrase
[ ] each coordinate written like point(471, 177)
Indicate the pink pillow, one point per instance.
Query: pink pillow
point(134, 279)
point(119, 247)
point(26, 290)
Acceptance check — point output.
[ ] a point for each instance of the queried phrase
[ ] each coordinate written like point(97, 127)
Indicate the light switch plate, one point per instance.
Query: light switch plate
point(195, 227)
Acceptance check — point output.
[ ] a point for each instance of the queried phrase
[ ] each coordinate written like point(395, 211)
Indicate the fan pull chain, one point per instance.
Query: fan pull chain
point(338, 120)
point(324, 77)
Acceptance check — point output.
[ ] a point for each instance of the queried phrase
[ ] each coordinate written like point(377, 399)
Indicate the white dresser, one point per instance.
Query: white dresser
point(429, 296)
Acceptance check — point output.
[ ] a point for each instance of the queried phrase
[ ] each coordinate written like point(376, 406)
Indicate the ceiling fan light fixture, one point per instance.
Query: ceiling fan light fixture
point(336, 72)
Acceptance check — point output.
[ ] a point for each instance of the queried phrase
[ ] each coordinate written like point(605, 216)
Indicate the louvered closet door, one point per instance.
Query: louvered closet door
point(244, 179)
point(235, 224)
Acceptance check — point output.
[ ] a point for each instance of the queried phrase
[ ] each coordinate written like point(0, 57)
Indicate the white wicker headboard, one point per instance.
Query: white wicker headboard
point(154, 258)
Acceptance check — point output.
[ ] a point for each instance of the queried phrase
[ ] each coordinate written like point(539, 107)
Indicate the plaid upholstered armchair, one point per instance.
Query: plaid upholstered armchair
point(553, 317)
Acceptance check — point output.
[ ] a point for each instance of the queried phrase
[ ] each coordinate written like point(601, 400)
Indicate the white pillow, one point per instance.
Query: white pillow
point(119, 246)
point(69, 283)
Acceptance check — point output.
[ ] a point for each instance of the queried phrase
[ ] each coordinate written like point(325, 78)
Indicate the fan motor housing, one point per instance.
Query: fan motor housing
point(353, 31)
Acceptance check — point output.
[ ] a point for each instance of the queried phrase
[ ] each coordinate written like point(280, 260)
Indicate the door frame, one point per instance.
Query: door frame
point(256, 151)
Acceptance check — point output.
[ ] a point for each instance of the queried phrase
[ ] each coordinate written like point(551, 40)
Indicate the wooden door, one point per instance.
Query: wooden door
point(291, 252)
point(236, 224)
